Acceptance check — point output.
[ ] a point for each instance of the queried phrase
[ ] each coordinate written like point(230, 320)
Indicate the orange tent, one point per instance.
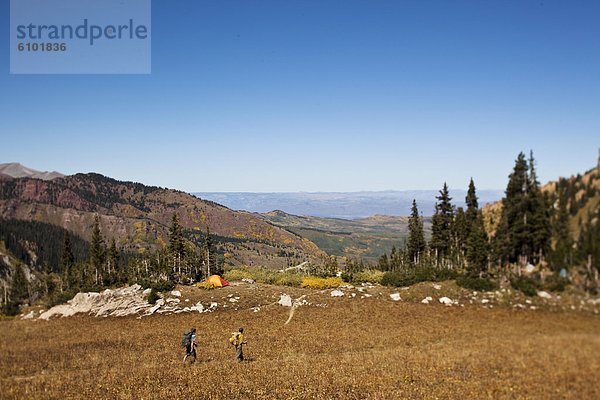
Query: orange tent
point(216, 281)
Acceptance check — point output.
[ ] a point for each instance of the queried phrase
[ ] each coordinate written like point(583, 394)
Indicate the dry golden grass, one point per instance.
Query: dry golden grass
point(351, 349)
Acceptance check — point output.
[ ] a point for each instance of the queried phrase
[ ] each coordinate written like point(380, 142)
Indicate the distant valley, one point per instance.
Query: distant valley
point(346, 205)
point(363, 238)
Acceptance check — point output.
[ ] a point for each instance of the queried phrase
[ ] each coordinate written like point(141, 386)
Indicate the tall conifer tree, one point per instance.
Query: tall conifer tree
point(97, 250)
point(441, 224)
point(415, 246)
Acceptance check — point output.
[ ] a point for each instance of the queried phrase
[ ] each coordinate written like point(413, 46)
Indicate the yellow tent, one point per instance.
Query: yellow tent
point(216, 281)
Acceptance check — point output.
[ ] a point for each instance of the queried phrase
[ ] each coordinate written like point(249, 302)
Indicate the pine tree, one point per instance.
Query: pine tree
point(19, 288)
point(588, 245)
point(415, 246)
point(395, 258)
point(209, 254)
point(460, 228)
point(477, 248)
point(472, 206)
point(97, 250)
point(524, 231)
point(562, 253)
point(113, 262)
point(383, 263)
point(511, 230)
point(67, 261)
point(19, 292)
point(176, 244)
point(441, 225)
point(539, 226)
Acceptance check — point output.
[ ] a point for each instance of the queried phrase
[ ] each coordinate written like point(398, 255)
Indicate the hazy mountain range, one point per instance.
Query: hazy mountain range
point(16, 170)
point(348, 205)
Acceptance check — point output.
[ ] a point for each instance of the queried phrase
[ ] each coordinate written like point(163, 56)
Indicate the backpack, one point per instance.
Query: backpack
point(186, 339)
point(233, 339)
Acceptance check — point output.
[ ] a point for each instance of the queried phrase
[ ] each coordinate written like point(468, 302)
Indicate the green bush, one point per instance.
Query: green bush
point(479, 284)
point(263, 275)
point(10, 309)
point(412, 276)
point(528, 286)
point(60, 298)
point(287, 279)
point(237, 274)
point(555, 283)
point(153, 296)
point(368, 275)
point(159, 286)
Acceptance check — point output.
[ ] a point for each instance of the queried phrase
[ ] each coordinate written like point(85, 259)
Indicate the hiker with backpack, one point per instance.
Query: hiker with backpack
point(188, 340)
point(237, 340)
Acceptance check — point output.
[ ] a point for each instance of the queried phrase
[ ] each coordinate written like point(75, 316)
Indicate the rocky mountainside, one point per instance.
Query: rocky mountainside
point(138, 217)
point(16, 170)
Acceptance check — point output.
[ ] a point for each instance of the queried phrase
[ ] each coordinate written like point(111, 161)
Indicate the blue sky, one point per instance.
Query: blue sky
point(324, 95)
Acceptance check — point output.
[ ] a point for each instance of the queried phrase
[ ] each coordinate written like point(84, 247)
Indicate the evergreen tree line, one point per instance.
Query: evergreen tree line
point(105, 265)
point(533, 228)
point(39, 244)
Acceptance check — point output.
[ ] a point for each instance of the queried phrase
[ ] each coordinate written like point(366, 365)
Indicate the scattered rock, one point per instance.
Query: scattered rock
point(436, 286)
point(544, 295)
point(337, 293)
point(248, 280)
point(446, 301)
point(395, 296)
point(485, 301)
point(30, 315)
point(426, 300)
point(285, 300)
point(147, 292)
point(176, 293)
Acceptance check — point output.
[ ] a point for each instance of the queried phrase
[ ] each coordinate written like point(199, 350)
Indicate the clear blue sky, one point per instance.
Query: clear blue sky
point(324, 95)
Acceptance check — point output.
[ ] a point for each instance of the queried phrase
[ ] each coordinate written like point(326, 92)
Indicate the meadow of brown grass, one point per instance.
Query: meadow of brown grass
point(348, 349)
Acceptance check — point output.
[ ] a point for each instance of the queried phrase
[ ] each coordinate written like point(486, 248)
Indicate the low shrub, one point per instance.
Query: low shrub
point(159, 286)
point(10, 309)
point(475, 283)
point(528, 286)
point(410, 277)
point(60, 298)
point(314, 282)
point(237, 274)
point(263, 275)
point(153, 296)
point(205, 285)
point(555, 283)
point(368, 275)
point(289, 280)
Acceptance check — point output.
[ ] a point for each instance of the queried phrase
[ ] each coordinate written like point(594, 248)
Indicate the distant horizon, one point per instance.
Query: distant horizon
point(463, 188)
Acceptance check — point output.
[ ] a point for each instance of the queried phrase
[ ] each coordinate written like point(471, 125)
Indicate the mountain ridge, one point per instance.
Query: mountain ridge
point(18, 170)
point(138, 217)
